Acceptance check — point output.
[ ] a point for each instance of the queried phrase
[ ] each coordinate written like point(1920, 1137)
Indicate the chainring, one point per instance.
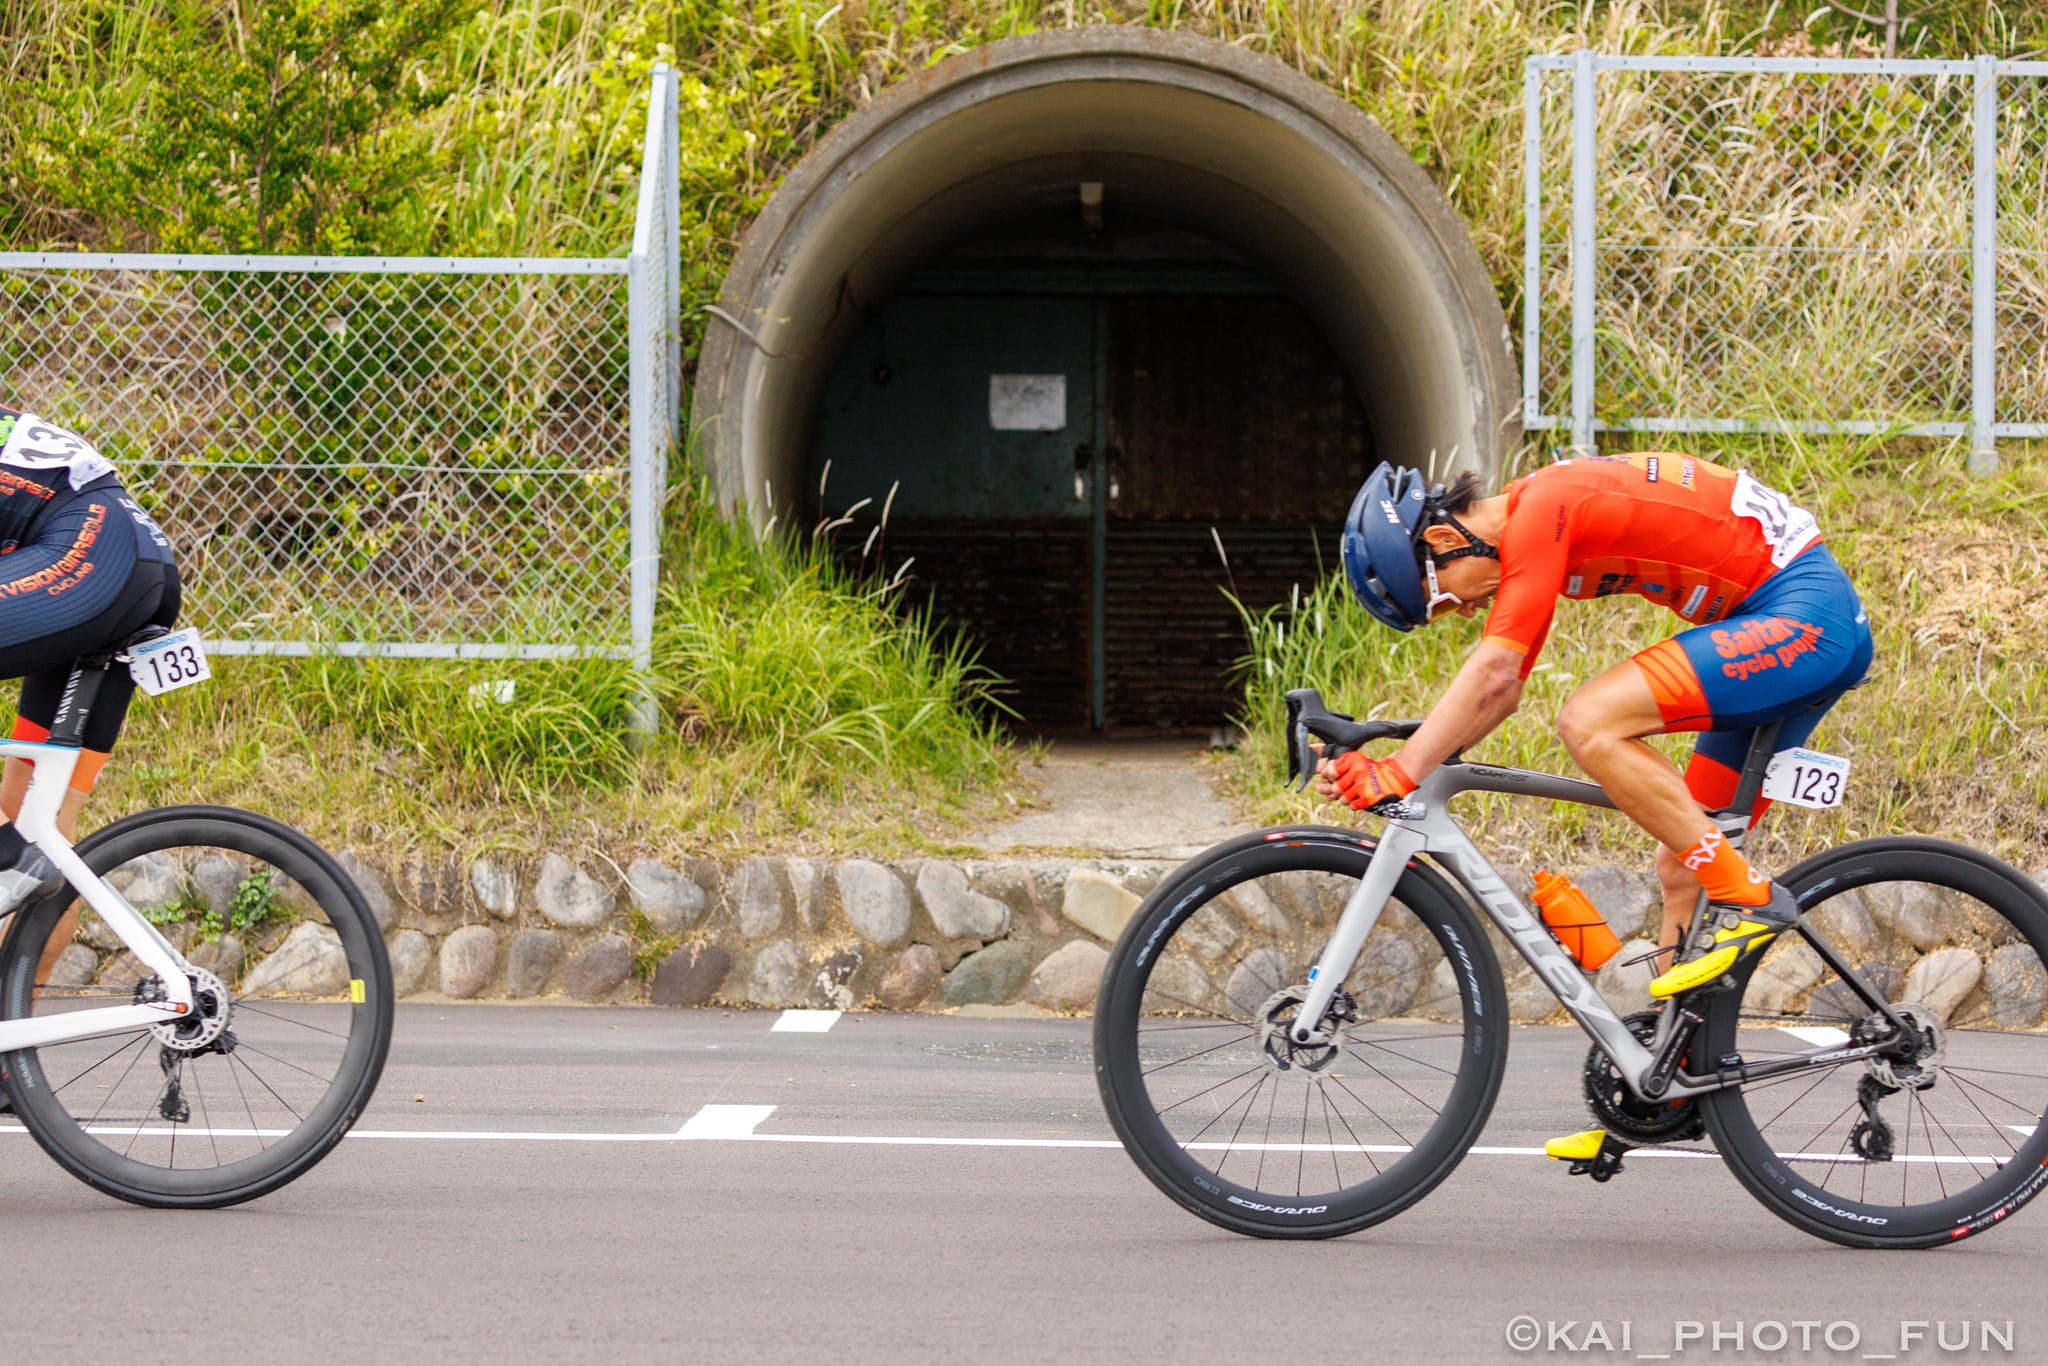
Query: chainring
point(1626, 1116)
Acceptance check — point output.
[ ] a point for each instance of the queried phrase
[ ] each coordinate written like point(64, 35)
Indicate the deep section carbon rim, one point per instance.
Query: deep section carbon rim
point(1943, 1137)
point(294, 1022)
point(1250, 1129)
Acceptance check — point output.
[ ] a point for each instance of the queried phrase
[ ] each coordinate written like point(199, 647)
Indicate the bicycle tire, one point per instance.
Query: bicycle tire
point(270, 1038)
point(1975, 1139)
point(1476, 1048)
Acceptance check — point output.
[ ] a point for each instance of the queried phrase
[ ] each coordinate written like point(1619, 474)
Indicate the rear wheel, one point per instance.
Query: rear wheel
point(294, 1016)
point(1945, 1136)
point(1250, 1131)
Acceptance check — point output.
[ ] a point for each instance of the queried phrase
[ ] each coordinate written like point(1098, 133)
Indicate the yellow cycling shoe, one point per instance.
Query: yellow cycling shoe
point(1583, 1146)
point(1739, 931)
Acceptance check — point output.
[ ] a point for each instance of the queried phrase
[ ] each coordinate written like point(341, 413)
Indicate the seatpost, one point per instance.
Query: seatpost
point(1761, 750)
point(81, 690)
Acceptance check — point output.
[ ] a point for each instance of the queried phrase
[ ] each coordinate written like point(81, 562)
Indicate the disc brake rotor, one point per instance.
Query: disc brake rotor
point(1276, 1018)
point(212, 1007)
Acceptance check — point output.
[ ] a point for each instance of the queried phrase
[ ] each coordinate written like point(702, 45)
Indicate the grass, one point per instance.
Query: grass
point(802, 712)
point(1948, 736)
point(798, 711)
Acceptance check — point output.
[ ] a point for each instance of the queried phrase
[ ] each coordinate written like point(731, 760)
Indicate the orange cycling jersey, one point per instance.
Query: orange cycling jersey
point(1690, 535)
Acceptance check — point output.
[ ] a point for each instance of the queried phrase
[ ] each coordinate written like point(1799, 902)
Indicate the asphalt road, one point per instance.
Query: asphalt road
point(558, 1191)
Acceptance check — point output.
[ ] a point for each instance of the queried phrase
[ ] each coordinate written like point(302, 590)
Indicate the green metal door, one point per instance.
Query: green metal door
point(1061, 467)
point(975, 421)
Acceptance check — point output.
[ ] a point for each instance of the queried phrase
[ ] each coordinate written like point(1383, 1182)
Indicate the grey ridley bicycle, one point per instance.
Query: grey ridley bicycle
point(220, 1013)
point(1301, 1031)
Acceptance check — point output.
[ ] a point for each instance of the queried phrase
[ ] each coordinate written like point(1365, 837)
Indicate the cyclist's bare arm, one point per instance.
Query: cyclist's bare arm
point(1485, 693)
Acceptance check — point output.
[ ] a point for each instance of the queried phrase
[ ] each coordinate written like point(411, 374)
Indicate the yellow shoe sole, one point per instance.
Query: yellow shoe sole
point(1686, 976)
point(1583, 1146)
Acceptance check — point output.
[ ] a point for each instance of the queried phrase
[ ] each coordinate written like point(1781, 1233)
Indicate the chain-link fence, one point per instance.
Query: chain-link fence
point(1750, 244)
point(381, 456)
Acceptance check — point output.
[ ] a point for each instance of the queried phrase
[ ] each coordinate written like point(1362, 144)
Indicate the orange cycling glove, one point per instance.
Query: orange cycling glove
point(1366, 782)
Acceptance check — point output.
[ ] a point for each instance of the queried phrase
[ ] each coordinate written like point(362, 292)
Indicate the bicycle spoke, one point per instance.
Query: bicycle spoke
point(1255, 1067)
point(1244, 1096)
point(1373, 1043)
point(1391, 1082)
point(233, 1059)
point(242, 1007)
point(1392, 1128)
point(1355, 1139)
point(1227, 1043)
point(281, 1062)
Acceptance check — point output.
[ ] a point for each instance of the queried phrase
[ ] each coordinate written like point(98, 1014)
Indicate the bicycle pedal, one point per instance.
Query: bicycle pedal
point(1602, 1164)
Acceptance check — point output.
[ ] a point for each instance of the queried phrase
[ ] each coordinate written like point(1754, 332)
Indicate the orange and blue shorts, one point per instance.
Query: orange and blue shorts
point(1786, 653)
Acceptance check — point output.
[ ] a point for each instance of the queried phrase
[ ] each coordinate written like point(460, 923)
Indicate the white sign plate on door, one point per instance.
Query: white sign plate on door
point(1027, 403)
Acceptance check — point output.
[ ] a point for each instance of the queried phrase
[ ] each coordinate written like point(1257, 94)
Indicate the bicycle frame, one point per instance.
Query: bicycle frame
point(1422, 825)
point(37, 822)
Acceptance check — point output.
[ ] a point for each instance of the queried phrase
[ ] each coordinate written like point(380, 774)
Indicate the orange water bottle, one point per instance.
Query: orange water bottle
point(1575, 920)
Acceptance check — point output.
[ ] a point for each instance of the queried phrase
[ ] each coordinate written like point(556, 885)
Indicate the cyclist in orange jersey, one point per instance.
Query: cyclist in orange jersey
point(1776, 634)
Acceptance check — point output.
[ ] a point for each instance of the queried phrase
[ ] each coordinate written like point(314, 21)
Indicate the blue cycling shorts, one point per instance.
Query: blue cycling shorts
point(1786, 653)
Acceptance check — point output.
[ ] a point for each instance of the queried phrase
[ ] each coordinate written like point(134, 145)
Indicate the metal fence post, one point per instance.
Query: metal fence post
point(655, 351)
point(672, 300)
point(1532, 240)
point(648, 426)
point(1583, 176)
point(1984, 271)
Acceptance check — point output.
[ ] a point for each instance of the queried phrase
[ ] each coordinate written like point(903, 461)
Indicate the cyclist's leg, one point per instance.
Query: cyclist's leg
point(1787, 655)
point(1603, 725)
point(93, 577)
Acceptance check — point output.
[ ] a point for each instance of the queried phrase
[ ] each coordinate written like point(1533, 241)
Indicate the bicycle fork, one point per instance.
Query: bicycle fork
point(1361, 912)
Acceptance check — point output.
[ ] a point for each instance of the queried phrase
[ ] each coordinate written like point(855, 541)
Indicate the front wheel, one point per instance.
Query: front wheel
point(1947, 1135)
point(294, 991)
point(1236, 1123)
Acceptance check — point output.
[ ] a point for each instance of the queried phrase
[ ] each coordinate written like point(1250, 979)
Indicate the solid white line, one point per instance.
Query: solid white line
point(804, 1022)
point(735, 1124)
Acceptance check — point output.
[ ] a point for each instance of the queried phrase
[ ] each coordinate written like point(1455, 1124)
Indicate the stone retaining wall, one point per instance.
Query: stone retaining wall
point(932, 933)
point(766, 931)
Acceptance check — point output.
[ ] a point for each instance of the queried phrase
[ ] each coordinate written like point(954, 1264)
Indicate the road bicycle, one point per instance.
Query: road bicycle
point(221, 1012)
point(1301, 1031)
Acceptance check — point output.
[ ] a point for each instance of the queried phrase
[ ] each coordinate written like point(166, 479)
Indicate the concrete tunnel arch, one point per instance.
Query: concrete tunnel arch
point(1236, 149)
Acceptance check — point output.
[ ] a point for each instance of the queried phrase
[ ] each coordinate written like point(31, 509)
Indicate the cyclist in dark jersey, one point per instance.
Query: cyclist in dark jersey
point(82, 567)
point(1776, 633)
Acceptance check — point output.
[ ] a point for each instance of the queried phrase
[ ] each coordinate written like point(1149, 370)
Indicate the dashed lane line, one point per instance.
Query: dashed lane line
point(804, 1022)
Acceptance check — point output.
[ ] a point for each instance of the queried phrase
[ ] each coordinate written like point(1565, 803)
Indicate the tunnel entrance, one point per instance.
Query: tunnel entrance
point(1088, 426)
point(1091, 301)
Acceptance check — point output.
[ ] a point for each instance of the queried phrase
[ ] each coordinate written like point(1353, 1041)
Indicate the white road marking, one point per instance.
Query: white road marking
point(1822, 1036)
point(804, 1022)
point(725, 1121)
point(736, 1124)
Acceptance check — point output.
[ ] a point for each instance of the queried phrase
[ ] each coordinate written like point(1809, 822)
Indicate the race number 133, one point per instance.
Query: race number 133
point(177, 660)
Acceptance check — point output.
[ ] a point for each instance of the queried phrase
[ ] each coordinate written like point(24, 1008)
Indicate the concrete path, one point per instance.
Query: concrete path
point(1146, 798)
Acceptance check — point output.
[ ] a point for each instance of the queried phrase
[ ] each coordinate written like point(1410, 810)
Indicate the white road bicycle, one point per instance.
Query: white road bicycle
point(221, 1013)
point(1301, 1031)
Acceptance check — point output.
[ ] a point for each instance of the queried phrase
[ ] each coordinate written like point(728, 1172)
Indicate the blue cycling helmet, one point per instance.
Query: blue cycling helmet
point(1382, 555)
